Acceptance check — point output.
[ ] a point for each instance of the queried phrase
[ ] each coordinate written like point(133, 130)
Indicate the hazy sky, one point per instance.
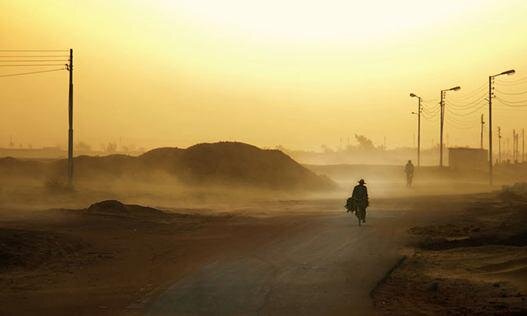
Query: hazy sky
point(290, 72)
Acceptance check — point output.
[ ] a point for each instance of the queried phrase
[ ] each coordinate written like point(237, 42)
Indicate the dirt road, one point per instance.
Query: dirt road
point(280, 258)
point(326, 267)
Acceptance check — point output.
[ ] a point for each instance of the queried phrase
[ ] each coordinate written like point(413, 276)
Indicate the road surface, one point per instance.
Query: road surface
point(326, 266)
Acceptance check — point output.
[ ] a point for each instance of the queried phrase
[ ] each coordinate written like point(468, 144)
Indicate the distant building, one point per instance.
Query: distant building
point(464, 158)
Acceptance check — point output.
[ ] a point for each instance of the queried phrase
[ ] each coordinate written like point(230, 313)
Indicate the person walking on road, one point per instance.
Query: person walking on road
point(359, 201)
point(409, 170)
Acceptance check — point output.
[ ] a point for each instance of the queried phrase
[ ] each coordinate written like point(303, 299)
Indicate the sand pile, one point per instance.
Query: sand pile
point(216, 164)
point(116, 208)
point(236, 163)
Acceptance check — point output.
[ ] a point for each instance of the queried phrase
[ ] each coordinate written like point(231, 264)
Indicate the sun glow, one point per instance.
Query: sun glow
point(330, 20)
point(290, 72)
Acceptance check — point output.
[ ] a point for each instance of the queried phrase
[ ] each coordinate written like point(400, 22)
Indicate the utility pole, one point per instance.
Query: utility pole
point(513, 145)
point(70, 117)
point(491, 90)
point(499, 144)
point(419, 110)
point(481, 132)
point(508, 149)
point(517, 148)
point(419, 133)
point(442, 120)
point(523, 144)
point(491, 175)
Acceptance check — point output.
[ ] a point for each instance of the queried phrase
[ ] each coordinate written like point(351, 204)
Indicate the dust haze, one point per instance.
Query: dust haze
point(279, 157)
point(203, 214)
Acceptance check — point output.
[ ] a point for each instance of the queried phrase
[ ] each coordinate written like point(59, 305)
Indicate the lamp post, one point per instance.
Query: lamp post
point(491, 88)
point(442, 120)
point(419, 109)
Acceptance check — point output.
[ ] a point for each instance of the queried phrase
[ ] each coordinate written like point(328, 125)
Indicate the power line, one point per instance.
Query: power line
point(512, 102)
point(430, 116)
point(33, 50)
point(466, 105)
point(30, 73)
point(430, 100)
point(502, 106)
point(430, 111)
point(513, 83)
point(31, 56)
point(430, 107)
point(459, 126)
point(459, 118)
point(30, 60)
point(464, 114)
point(471, 94)
point(511, 93)
point(32, 65)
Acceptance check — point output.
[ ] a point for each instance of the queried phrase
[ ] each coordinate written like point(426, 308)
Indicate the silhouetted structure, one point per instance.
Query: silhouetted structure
point(463, 158)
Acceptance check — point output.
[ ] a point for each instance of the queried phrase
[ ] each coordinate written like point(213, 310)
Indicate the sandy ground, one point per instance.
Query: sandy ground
point(276, 258)
point(474, 262)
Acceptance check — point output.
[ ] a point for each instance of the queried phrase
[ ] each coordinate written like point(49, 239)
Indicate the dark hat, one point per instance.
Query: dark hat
point(361, 181)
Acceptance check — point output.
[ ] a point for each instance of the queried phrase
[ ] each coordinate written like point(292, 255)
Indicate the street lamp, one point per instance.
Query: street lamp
point(442, 120)
point(491, 88)
point(418, 127)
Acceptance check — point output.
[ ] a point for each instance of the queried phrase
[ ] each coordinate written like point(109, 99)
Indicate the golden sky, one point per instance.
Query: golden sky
point(289, 72)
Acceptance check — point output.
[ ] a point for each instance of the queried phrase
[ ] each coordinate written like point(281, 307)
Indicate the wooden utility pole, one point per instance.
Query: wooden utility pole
point(481, 132)
point(508, 149)
point(523, 144)
point(491, 175)
point(419, 132)
point(70, 117)
point(442, 119)
point(516, 147)
point(499, 144)
point(513, 145)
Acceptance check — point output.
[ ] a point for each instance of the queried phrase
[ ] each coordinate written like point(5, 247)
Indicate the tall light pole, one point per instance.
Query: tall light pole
point(419, 109)
point(491, 88)
point(69, 67)
point(442, 121)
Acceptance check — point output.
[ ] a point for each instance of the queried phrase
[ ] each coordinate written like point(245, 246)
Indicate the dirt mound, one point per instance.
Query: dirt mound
point(223, 163)
point(238, 163)
point(116, 208)
point(30, 249)
point(210, 164)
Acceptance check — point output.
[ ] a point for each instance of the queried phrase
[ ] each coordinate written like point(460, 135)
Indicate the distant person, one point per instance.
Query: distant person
point(359, 201)
point(409, 170)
